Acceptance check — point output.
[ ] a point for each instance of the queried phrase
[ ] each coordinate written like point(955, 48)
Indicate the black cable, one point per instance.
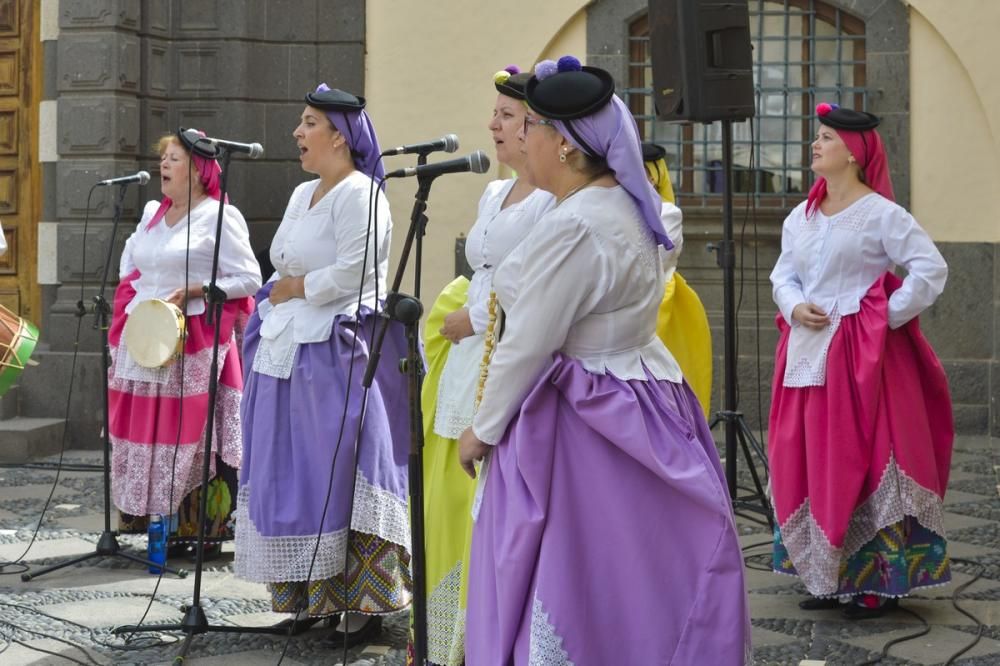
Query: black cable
point(902, 639)
point(81, 311)
point(70, 467)
point(35, 648)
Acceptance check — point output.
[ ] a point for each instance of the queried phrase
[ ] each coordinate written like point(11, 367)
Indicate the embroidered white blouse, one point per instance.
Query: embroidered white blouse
point(833, 261)
point(326, 244)
point(587, 281)
point(159, 254)
point(495, 233)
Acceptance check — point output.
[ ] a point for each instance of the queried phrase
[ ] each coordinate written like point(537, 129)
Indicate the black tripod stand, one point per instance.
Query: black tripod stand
point(407, 310)
point(736, 427)
point(195, 622)
point(107, 545)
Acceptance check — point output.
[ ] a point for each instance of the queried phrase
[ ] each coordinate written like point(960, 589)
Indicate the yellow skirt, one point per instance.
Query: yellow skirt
point(448, 495)
point(682, 325)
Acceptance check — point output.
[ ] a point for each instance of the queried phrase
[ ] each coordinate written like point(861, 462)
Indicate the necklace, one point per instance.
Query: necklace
point(580, 187)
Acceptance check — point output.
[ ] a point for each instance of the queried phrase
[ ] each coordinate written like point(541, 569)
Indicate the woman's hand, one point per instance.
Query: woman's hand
point(457, 325)
point(288, 288)
point(810, 315)
point(178, 295)
point(470, 450)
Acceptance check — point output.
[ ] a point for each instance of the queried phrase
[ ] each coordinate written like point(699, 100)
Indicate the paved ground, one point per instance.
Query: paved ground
point(80, 605)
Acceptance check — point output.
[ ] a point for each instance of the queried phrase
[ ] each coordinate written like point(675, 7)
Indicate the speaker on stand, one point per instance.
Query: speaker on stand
point(703, 72)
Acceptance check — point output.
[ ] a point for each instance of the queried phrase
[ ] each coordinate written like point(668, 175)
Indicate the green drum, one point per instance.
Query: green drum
point(18, 338)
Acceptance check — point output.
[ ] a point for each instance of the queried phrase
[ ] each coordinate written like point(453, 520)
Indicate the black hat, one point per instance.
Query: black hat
point(189, 138)
point(566, 90)
point(511, 83)
point(333, 99)
point(653, 152)
point(838, 117)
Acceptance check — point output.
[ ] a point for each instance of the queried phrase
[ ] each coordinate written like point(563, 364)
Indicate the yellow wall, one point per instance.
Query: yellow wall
point(429, 72)
point(955, 118)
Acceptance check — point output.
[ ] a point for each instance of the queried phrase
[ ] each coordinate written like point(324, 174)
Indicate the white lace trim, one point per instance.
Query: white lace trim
point(806, 356)
point(276, 357)
point(457, 388)
point(273, 559)
point(446, 620)
point(545, 646)
point(166, 380)
point(817, 561)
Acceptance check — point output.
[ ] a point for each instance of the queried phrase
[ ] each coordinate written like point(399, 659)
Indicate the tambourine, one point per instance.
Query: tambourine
point(154, 333)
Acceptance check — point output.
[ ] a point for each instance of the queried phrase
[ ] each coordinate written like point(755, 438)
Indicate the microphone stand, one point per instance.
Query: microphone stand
point(107, 544)
point(195, 621)
point(736, 428)
point(407, 310)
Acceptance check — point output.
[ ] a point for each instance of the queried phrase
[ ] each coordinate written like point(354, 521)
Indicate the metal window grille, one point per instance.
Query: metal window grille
point(805, 52)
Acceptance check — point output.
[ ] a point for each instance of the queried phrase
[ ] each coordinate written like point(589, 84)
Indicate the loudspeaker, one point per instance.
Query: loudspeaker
point(702, 60)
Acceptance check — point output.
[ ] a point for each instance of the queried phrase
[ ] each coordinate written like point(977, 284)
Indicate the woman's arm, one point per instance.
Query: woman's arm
point(909, 246)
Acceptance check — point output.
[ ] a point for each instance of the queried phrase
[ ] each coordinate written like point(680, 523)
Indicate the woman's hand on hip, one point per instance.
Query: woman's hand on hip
point(470, 450)
point(810, 315)
point(457, 325)
point(288, 288)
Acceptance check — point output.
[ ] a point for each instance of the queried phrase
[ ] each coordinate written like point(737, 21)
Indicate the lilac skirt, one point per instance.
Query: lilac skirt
point(291, 434)
point(606, 534)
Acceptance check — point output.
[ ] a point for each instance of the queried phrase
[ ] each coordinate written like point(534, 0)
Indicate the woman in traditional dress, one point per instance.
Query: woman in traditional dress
point(681, 322)
point(453, 343)
point(157, 416)
point(322, 522)
point(605, 534)
point(860, 427)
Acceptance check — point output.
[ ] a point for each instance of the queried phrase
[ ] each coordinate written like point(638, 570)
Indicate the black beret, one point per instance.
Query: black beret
point(189, 138)
point(838, 117)
point(570, 94)
point(335, 100)
point(514, 85)
point(652, 152)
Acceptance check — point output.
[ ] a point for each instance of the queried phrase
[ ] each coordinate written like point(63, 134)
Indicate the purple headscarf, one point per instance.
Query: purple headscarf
point(612, 134)
point(357, 128)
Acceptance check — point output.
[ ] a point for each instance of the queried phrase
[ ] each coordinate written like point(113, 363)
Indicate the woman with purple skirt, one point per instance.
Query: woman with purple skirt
point(317, 500)
point(605, 533)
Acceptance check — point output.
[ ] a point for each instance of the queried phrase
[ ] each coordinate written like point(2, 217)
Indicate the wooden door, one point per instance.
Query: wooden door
point(19, 169)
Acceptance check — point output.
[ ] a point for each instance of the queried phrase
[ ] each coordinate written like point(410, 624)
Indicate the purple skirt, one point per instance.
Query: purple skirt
point(606, 534)
point(291, 434)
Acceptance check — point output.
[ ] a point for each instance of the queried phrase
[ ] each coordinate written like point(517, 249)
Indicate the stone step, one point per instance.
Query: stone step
point(23, 438)
point(9, 404)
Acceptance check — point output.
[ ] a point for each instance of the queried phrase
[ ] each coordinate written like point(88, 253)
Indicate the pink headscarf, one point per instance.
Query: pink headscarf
point(208, 173)
point(868, 151)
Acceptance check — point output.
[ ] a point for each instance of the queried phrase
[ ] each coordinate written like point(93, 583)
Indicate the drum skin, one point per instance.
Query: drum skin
point(154, 333)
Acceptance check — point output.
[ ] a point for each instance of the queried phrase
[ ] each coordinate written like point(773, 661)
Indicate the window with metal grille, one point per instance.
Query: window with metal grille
point(804, 52)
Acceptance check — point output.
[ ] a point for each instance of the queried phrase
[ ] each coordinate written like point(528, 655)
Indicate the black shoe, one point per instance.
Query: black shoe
point(366, 634)
point(856, 611)
point(296, 626)
point(819, 603)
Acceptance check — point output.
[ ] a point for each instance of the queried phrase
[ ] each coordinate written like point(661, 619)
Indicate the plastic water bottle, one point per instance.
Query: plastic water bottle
point(157, 543)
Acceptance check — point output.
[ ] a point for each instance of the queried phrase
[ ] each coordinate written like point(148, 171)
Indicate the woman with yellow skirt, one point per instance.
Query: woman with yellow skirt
point(453, 345)
point(681, 322)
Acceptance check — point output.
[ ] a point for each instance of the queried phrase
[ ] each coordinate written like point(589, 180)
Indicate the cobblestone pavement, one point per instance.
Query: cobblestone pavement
point(70, 612)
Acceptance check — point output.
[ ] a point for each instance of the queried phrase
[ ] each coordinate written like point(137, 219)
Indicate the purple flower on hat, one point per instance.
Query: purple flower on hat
point(512, 69)
point(569, 63)
point(545, 69)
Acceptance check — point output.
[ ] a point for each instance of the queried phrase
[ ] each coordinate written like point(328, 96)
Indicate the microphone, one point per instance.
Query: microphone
point(252, 150)
point(142, 178)
point(477, 162)
point(448, 143)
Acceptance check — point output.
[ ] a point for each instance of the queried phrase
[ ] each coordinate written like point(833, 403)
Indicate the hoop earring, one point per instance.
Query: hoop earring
point(562, 157)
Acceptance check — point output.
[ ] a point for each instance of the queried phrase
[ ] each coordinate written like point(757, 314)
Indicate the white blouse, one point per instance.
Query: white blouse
point(587, 281)
point(833, 261)
point(326, 244)
point(496, 232)
point(159, 254)
point(673, 221)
